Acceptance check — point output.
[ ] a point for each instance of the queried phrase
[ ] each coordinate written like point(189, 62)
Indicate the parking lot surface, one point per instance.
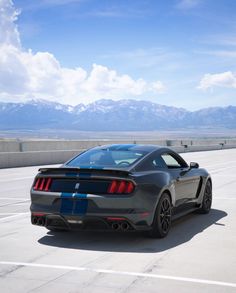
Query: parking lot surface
point(199, 254)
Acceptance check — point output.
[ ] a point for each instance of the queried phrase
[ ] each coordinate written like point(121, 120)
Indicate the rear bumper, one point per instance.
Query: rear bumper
point(65, 222)
point(80, 210)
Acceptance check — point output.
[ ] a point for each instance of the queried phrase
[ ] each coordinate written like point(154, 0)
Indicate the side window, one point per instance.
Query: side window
point(159, 162)
point(171, 161)
point(152, 164)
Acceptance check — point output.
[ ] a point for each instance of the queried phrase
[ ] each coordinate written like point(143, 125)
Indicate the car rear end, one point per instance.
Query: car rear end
point(74, 198)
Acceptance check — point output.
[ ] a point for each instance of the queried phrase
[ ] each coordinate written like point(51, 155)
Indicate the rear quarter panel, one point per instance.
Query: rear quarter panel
point(151, 185)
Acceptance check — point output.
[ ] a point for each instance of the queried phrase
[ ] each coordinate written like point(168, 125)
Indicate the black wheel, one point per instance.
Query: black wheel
point(207, 199)
point(162, 219)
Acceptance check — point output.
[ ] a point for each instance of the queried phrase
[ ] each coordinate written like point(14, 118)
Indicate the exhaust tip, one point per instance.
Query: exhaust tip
point(115, 226)
point(43, 221)
point(34, 220)
point(39, 222)
point(124, 226)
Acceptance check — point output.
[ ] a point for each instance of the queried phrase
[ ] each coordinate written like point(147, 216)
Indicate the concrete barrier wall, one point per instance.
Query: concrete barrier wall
point(9, 146)
point(49, 145)
point(21, 159)
point(41, 152)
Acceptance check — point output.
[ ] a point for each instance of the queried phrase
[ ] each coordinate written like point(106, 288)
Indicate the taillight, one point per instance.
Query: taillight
point(43, 184)
point(113, 187)
point(120, 187)
point(129, 187)
point(48, 183)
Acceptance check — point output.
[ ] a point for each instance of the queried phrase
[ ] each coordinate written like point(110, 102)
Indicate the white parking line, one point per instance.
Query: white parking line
point(224, 198)
point(13, 215)
point(9, 174)
point(136, 274)
point(218, 170)
point(219, 164)
point(3, 214)
point(14, 198)
point(15, 179)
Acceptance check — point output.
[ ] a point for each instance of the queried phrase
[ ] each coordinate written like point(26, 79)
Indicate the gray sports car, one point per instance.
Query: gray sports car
point(120, 187)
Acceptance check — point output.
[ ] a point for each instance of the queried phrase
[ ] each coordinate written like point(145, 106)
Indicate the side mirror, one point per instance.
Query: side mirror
point(194, 165)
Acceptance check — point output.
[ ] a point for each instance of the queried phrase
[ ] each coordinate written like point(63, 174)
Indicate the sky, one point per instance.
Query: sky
point(175, 52)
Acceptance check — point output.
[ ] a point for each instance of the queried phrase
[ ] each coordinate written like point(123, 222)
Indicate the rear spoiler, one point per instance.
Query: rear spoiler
point(75, 171)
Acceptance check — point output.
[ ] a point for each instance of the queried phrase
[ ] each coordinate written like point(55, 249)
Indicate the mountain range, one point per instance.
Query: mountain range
point(109, 115)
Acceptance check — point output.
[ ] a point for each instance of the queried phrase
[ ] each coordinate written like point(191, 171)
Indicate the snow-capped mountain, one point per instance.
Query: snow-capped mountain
point(102, 115)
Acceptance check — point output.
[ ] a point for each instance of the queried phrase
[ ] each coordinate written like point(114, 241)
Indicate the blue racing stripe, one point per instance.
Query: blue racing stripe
point(66, 203)
point(74, 203)
point(71, 174)
point(81, 204)
point(84, 175)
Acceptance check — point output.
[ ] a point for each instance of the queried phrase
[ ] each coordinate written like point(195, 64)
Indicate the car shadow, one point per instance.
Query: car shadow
point(182, 231)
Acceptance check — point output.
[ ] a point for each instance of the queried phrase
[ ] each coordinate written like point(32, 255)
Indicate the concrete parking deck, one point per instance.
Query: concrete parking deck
point(198, 255)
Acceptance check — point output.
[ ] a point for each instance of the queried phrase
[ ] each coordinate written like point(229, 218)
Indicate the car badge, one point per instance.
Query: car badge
point(77, 186)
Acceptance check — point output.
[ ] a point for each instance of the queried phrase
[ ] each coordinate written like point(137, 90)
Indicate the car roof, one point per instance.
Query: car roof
point(132, 147)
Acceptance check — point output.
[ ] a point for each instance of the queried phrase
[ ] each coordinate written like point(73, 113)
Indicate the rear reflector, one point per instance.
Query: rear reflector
point(115, 219)
point(43, 184)
point(38, 214)
point(120, 187)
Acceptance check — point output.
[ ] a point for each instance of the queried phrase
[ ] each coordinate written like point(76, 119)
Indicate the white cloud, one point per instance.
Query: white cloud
point(219, 53)
point(187, 4)
point(25, 75)
point(159, 87)
point(35, 5)
point(8, 29)
point(226, 79)
point(222, 39)
point(59, 2)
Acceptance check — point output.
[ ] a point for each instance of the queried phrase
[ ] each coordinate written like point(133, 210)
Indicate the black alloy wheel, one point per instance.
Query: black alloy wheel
point(207, 199)
point(162, 219)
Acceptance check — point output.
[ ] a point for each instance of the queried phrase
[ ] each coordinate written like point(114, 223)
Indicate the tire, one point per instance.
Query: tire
point(162, 218)
point(207, 199)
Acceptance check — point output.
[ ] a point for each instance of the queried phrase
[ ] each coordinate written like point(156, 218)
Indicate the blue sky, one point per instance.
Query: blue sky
point(174, 52)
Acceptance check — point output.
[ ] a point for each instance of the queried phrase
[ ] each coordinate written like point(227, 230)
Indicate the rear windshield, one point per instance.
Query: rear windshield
point(106, 158)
